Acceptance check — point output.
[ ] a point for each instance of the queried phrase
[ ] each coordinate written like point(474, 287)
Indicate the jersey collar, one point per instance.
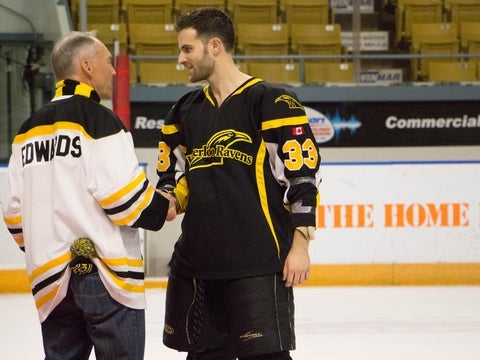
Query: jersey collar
point(66, 88)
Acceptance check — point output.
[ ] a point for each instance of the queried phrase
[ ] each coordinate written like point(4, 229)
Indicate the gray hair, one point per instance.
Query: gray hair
point(66, 52)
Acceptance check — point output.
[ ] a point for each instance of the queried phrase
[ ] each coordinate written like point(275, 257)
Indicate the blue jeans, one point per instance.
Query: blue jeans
point(88, 317)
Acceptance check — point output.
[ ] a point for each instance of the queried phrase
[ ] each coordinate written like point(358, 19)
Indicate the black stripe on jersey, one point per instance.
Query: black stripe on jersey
point(129, 274)
point(129, 203)
point(70, 88)
point(14, 231)
point(48, 281)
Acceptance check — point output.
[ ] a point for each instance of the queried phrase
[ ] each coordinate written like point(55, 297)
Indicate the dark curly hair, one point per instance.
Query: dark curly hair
point(209, 22)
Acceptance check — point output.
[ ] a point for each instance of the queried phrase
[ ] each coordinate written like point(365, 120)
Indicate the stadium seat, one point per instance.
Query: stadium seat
point(458, 71)
point(329, 72)
point(98, 11)
point(256, 11)
point(432, 39)
point(275, 71)
point(161, 72)
point(410, 12)
point(305, 11)
point(109, 33)
point(184, 6)
point(316, 39)
point(458, 11)
point(470, 37)
point(153, 39)
point(148, 11)
point(262, 39)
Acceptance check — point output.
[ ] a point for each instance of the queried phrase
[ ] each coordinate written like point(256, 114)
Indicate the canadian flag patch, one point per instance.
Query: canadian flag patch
point(298, 130)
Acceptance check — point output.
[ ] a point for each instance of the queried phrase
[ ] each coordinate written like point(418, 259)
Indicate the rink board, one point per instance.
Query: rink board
point(378, 224)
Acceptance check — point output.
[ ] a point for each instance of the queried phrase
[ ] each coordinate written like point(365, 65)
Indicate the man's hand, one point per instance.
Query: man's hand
point(297, 264)
point(172, 207)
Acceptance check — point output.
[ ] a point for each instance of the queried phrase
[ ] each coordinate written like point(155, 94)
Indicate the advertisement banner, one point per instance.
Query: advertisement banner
point(147, 119)
point(395, 123)
point(398, 213)
point(352, 124)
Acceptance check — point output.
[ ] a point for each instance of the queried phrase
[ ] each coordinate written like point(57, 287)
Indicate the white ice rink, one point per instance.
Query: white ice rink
point(333, 323)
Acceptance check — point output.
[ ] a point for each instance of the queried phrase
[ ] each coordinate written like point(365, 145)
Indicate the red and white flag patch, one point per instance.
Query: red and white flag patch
point(298, 130)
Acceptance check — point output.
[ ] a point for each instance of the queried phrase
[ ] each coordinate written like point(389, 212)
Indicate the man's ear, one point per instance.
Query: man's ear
point(216, 44)
point(85, 65)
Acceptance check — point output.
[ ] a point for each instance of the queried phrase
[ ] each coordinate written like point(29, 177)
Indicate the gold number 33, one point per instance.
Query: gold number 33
point(296, 151)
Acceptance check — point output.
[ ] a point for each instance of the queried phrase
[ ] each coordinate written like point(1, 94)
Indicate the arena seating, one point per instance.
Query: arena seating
point(109, 33)
point(257, 11)
point(98, 11)
point(410, 12)
point(292, 27)
point(275, 71)
point(305, 11)
point(452, 71)
point(458, 11)
point(148, 11)
point(432, 39)
point(316, 39)
point(329, 72)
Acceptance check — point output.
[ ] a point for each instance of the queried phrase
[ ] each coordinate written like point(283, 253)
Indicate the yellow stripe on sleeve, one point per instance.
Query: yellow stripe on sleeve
point(19, 240)
point(181, 193)
point(169, 129)
point(278, 123)
point(123, 191)
point(14, 220)
point(146, 200)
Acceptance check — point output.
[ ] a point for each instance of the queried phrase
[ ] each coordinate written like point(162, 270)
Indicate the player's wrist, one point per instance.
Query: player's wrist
point(308, 232)
point(172, 193)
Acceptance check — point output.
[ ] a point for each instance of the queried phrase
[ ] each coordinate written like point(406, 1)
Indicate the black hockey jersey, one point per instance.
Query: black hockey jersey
point(245, 175)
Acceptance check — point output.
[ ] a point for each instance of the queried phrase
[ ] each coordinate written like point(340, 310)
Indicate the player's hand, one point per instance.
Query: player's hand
point(172, 207)
point(297, 264)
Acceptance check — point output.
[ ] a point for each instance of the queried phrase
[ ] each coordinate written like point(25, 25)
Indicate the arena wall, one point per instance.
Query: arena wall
point(390, 215)
point(379, 223)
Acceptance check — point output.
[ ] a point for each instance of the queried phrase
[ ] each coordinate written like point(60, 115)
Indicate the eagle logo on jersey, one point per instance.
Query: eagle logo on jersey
point(219, 148)
point(291, 102)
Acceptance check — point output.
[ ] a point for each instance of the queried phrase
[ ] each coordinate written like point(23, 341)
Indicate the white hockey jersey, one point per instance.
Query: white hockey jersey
point(73, 173)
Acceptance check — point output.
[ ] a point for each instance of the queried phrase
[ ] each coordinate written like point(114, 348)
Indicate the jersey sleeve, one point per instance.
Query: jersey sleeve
point(120, 185)
point(171, 159)
point(12, 202)
point(293, 153)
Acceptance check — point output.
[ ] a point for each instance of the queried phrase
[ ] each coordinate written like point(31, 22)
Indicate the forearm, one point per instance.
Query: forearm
point(154, 215)
point(297, 263)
